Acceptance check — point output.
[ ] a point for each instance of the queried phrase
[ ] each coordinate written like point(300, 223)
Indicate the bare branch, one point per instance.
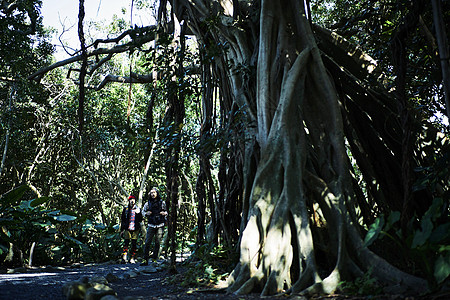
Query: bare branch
point(134, 78)
point(8, 8)
point(140, 37)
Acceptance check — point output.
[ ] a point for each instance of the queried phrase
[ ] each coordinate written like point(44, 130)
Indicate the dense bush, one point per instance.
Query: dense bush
point(32, 234)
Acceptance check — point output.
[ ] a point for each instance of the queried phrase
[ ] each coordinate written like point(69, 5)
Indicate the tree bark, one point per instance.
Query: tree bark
point(444, 53)
point(8, 127)
point(30, 260)
point(146, 170)
point(84, 57)
point(300, 137)
point(203, 187)
point(175, 116)
point(298, 115)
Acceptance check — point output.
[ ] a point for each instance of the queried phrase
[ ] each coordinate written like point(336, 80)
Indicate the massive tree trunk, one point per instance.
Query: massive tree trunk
point(303, 160)
point(304, 167)
point(299, 103)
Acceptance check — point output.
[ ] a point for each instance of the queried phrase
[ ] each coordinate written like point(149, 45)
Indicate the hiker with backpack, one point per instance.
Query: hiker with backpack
point(156, 213)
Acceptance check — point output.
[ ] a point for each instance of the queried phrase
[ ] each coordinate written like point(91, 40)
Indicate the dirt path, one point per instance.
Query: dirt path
point(127, 280)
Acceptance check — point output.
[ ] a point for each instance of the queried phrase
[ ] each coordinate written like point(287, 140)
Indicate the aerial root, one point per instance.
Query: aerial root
point(307, 277)
point(248, 286)
point(327, 286)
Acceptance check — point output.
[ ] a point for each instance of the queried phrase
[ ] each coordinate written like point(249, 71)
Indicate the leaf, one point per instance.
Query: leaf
point(434, 211)
point(25, 205)
point(442, 268)
point(209, 270)
point(393, 218)
point(65, 218)
point(99, 226)
point(13, 196)
point(441, 233)
point(421, 236)
point(3, 249)
point(5, 236)
point(39, 201)
point(111, 236)
point(41, 224)
point(374, 231)
point(52, 231)
point(74, 240)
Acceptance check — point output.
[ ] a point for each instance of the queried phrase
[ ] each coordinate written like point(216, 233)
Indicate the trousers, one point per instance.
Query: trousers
point(157, 234)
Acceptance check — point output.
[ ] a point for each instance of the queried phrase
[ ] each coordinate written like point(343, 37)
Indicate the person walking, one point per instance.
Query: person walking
point(156, 213)
point(130, 226)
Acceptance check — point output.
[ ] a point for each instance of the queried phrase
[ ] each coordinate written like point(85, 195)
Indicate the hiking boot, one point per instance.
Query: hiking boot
point(132, 261)
point(124, 258)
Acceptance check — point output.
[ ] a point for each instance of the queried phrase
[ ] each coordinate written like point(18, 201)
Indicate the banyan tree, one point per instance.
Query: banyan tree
point(308, 110)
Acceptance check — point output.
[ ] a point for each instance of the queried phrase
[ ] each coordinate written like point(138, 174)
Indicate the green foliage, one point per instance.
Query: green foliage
point(23, 49)
point(428, 243)
point(361, 286)
point(25, 222)
point(434, 172)
point(60, 236)
point(442, 265)
point(103, 241)
point(88, 242)
point(428, 236)
point(374, 25)
point(208, 265)
point(381, 227)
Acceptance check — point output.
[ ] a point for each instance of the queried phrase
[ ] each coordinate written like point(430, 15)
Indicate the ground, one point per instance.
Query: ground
point(48, 282)
point(131, 282)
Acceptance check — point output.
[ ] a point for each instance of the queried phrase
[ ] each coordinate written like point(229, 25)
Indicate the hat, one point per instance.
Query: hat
point(131, 197)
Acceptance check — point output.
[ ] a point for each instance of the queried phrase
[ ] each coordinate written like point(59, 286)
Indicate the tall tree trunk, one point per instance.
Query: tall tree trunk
point(12, 91)
point(202, 186)
point(172, 201)
point(303, 160)
point(83, 69)
point(399, 55)
point(175, 113)
point(146, 170)
point(200, 189)
point(444, 52)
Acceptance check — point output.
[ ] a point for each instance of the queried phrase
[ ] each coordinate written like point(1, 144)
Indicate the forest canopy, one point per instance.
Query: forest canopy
point(306, 143)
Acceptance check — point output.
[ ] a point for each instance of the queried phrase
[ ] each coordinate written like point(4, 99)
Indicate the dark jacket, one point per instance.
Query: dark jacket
point(125, 219)
point(156, 207)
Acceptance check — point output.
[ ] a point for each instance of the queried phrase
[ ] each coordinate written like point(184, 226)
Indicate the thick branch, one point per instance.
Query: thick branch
point(134, 78)
point(345, 53)
point(135, 43)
